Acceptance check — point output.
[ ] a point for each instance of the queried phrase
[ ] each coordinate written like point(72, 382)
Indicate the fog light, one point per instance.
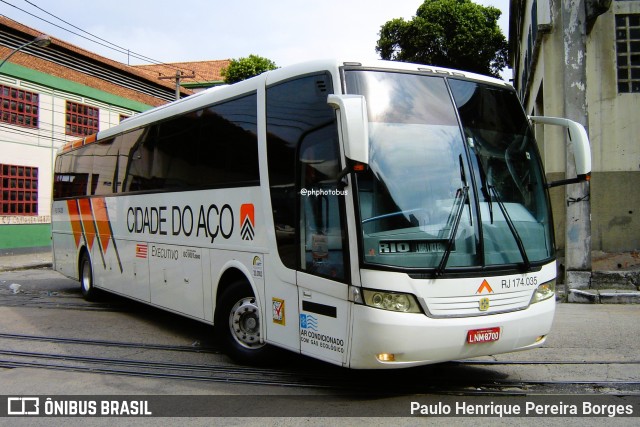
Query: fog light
point(540, 338)
point(386, 357)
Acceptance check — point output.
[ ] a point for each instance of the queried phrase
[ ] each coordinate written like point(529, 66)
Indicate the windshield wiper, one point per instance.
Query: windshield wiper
point(490, 205)
point(512, 228)
point(464, 191)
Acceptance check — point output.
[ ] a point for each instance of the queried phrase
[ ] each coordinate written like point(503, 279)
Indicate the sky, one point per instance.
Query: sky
point(285, 31)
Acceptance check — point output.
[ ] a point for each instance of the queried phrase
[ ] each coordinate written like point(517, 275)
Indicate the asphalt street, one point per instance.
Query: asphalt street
point(592, 352)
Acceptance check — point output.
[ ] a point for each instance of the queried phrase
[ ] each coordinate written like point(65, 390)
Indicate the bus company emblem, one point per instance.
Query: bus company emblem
point(484, 304)
point(484, 287)
point(247, 221)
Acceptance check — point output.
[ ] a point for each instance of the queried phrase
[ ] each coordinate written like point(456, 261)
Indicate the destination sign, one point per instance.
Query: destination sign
point(413, 246)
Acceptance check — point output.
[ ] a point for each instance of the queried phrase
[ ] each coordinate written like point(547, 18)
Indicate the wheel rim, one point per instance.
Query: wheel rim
point(86, 276)
point(244, 323)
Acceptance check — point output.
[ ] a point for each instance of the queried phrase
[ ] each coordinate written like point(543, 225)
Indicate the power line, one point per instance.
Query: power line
point(86, 32)
point(64, 138)
point(54, 125)
point(47, 132)
point(113, 46)
point(54, 129)
point(62, 28)
point(8, 129)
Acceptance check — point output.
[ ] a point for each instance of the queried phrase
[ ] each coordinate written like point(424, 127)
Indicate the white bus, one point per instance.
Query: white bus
point(371, 215)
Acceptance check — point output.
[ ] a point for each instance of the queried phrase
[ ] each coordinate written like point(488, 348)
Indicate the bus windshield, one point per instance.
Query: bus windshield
point(454, 179)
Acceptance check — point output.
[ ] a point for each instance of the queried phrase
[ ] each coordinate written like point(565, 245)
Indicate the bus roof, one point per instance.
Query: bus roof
point(218, 93)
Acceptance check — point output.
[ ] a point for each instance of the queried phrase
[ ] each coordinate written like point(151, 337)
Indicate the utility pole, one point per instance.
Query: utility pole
point(578, 216)
point(179, 76)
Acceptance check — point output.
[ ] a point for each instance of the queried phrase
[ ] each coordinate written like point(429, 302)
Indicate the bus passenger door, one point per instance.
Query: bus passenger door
point(323, 273)
point(303, 159)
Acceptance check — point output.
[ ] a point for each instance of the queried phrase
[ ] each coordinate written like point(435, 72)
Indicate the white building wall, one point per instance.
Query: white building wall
point(24, 146)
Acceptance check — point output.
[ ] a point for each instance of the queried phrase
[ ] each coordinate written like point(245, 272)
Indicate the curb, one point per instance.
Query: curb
point(628, 280)
point(603, 296)
point(5, 268)
point(604, 287)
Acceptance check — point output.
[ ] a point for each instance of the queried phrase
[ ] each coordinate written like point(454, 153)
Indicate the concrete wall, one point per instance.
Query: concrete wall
point(614, 129)
point(24, 238)
point(613, 126)
point(615, 214)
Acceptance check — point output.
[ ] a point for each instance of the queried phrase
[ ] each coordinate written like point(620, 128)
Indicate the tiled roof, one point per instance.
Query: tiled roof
point(203, 71)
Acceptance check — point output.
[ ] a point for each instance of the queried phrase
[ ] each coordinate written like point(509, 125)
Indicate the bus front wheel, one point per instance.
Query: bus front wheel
point(238, 323)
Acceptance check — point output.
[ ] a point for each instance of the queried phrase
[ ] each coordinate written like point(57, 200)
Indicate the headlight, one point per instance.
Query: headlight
point(392, 301)
point(544, 291)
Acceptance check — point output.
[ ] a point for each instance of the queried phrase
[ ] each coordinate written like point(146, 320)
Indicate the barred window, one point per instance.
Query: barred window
point(18, 107)
point(628, 52)
point(81, 119)
point(18, 190)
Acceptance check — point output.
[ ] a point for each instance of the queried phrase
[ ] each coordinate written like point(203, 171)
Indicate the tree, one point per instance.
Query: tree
point(449, 33)
point(244, 68)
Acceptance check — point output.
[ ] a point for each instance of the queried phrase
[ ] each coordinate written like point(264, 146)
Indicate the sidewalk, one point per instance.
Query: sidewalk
point(25, 261)
point(615, 278)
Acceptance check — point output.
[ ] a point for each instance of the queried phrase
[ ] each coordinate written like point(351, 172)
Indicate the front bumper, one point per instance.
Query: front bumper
point(415, 339)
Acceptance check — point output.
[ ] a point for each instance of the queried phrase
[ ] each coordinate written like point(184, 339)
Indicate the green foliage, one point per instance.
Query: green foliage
point(449, 33)
point(244, 68)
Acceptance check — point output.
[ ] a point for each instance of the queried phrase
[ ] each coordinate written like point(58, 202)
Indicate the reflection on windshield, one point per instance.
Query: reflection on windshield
point(508, 165)
point(421, 161)
point(419, 148)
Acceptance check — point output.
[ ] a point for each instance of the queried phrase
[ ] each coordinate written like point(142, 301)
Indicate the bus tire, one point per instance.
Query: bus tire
point(89, 292)
point(237, 325)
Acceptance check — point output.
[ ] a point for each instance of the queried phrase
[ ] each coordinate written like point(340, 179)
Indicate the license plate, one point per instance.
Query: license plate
point(478, 336)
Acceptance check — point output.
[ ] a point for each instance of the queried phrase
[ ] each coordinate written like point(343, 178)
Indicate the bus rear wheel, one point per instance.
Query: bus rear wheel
point(89, 293)
point(237, 324)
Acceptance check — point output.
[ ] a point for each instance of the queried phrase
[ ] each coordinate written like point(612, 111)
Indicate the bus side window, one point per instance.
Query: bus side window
point(228, 144)
point(213, 147)
point(68, 183)
point(321, 235)
point(137, 148)
point(105, 156)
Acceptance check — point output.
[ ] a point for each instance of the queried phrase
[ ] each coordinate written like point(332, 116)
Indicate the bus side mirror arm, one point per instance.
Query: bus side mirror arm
point(351, 167)
point(581, 148)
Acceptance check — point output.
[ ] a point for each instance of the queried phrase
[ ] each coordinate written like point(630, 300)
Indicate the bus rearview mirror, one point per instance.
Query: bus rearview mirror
point(354, 124)
point(580, 144)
